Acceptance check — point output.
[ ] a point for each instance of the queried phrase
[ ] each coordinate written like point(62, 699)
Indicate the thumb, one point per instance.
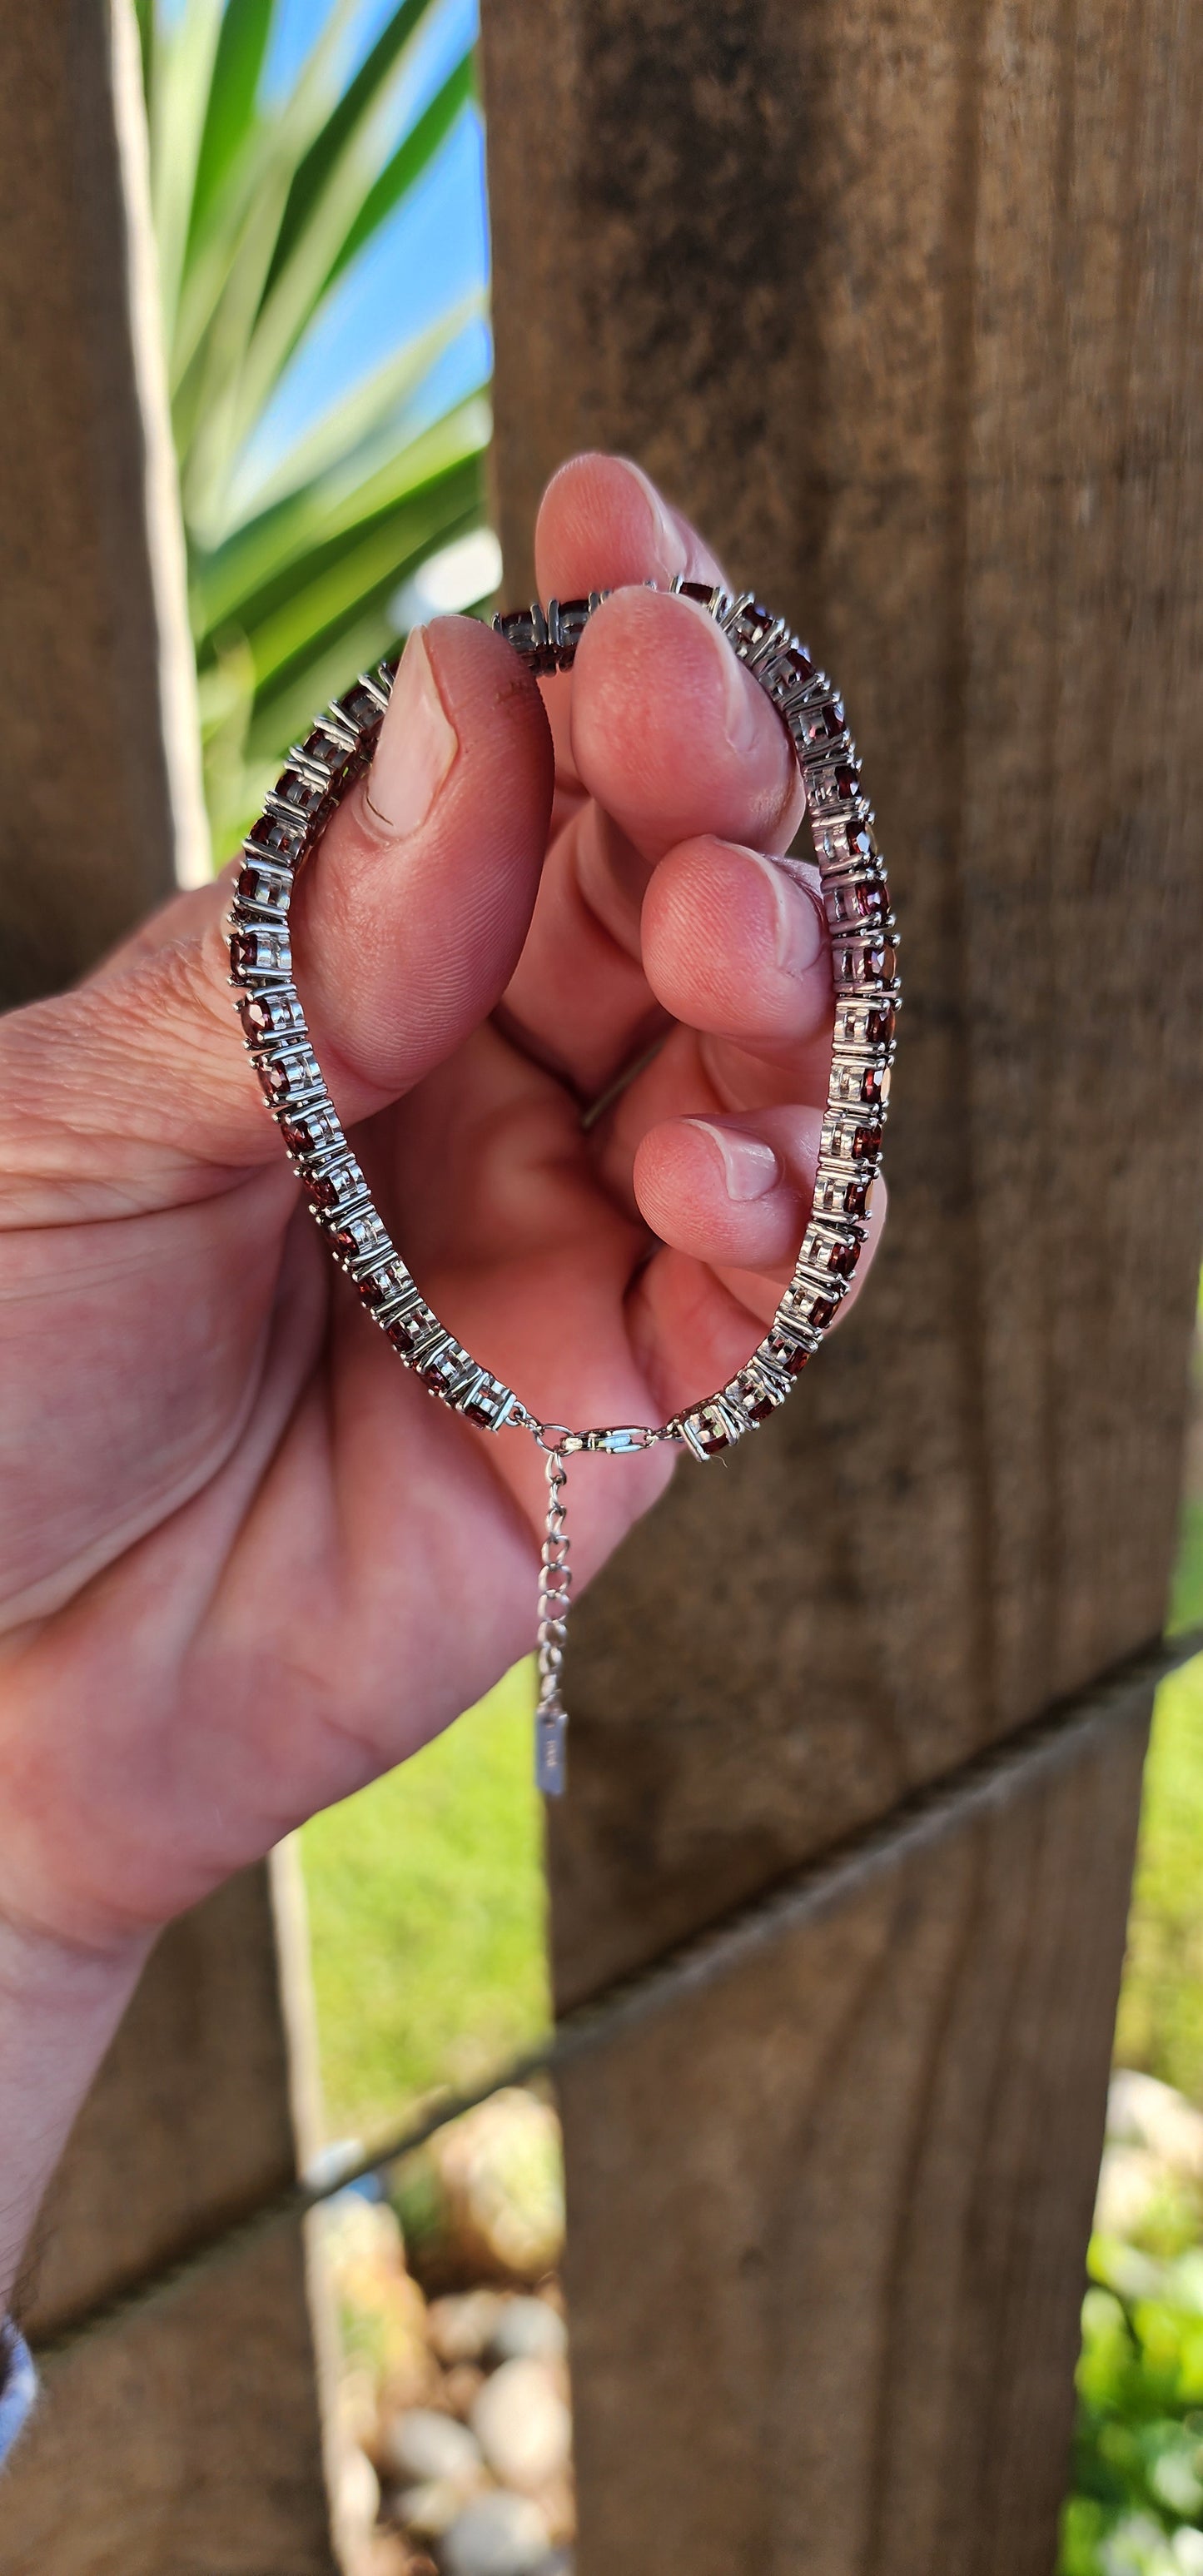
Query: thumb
point(406, 925)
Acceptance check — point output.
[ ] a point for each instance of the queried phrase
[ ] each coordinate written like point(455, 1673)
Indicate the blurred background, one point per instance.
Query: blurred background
point(319, 208)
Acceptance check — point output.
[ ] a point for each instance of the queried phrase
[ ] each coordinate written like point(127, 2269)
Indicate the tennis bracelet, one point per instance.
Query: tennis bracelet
point(864, 942)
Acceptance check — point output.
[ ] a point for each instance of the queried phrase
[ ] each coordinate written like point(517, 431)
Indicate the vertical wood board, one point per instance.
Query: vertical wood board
point(904, 308)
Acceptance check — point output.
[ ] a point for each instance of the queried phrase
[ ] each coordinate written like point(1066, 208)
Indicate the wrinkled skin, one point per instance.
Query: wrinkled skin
point(245, 1561)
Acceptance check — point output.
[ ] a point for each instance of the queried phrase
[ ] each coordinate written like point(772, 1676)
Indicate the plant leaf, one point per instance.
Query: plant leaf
point(318, 255)
point(263, 563)
point(315, 170)
point(339, 443)
point(183, 69)
point(408, 162)
point(234, 89)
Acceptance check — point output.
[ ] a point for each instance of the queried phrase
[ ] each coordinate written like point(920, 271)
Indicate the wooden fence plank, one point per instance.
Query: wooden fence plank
point(188, 2443)
point(904, 308)
point(859, 2247)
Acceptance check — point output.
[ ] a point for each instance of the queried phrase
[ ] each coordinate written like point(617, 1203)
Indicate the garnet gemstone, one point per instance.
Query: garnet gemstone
point(270, 1015)
point(312, 1133)
point(290, 1077)
point(822, 724)
point(326, 752)
point(303, 794)
point(382, 1284)
point(360, 709)
point(279, 838)
point(269, 887)
point(866, 1143)
point(856, 1198)
point(260, 952)
point(359, 1235)
point(872, 902)
point(880, 1024)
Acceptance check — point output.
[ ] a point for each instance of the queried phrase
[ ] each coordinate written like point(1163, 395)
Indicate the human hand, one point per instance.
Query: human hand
point(246, 1562)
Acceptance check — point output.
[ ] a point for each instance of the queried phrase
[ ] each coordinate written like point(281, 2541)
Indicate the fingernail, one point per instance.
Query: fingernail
point(668, 549)
point(797, 928)
point(750, 1169)
point(416, 748)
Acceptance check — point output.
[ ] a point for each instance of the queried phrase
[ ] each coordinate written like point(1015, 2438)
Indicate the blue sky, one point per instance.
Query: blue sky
point(433, 252)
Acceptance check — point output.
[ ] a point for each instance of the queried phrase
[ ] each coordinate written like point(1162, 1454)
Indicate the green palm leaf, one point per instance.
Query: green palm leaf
point(259, 211)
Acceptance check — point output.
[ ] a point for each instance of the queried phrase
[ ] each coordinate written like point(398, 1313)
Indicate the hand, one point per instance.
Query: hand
point(246, 1562)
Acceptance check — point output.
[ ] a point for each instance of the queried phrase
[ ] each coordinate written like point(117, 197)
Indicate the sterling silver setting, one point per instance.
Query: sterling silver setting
point(864, 941)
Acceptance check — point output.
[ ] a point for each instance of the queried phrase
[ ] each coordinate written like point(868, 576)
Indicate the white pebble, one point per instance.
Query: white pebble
point(523, 2425)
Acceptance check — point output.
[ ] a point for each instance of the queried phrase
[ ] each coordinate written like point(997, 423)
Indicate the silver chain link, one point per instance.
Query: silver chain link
point(555, 1588)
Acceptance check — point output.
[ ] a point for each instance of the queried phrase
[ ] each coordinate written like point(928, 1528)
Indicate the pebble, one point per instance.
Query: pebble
point(429, 2510)
point(528, 2330)
point(422, 2447)
point(1141, 2112)
point(461, 2329)
point(496, 2535)
point(522, 2424)
point(358, 2493)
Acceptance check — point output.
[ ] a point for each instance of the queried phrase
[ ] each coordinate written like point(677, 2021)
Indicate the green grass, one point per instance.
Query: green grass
point(426, 1906)
point(1160, 2026)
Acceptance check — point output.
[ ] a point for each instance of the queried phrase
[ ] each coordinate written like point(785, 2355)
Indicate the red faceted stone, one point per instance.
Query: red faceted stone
point(288, 1078)
point(842, 1259)
point(856, 1198)
point(824, 724)
point(259, 952)
point(303, 794)
point(757, 1407)
point(360, 710)
point(847, 781)
point(791, 1356)
point(308, 1135)
point(872, 902)
point(866, 1144)
point(263, 886)
point(796, 668)
point(821, 1312)
point(699, 590)
point(280, 838)
point(326, 752)
point(880, 1024)
point(270, 1015)
point(359, 1235)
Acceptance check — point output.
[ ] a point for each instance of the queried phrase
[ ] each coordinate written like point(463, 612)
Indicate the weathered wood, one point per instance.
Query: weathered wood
point(859, 2248)
point(188, 2441)
point(903, 307)
point(97, 786)
point(190, 2438)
